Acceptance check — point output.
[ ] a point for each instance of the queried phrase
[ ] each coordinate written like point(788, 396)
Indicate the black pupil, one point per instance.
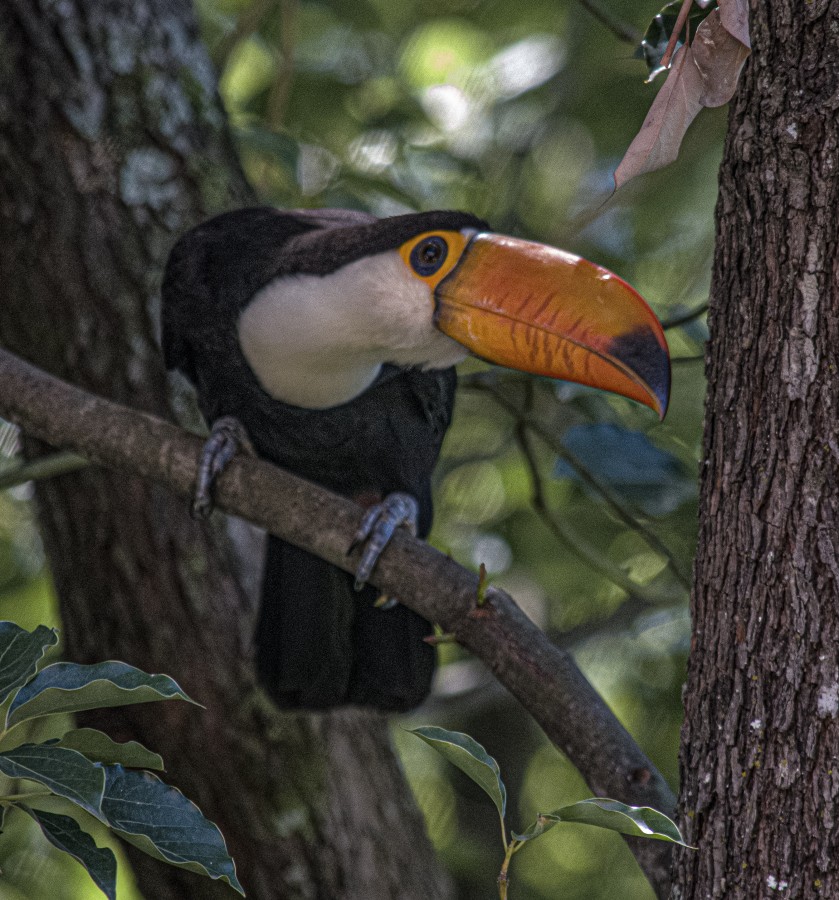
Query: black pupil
point(429, 255)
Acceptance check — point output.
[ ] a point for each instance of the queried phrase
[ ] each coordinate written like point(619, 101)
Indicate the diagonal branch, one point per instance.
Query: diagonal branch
point(542, 677)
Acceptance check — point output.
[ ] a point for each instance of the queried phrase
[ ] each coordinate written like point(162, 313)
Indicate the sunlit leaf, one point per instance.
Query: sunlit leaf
point(20, 652)
point(64, 772)
point(470, 757)
point(719, 57)
point(674, 108)
point(444, 51)
point(637, 821)
point(249, 70)
point(69, 687)
point(97, 746)
point(160, 821)
point(66, 834)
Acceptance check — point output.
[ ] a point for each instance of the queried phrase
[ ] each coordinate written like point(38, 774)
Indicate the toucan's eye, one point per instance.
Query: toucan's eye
point(428, 255)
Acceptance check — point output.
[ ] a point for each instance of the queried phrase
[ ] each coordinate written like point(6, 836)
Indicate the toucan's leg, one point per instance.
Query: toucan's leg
point(227, 438)
point(377, 527)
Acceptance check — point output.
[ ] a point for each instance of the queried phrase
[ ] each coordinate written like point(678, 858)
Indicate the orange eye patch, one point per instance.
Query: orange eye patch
point(432, 255)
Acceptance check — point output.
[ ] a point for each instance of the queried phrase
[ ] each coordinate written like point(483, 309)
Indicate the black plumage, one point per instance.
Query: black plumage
point(319, 642)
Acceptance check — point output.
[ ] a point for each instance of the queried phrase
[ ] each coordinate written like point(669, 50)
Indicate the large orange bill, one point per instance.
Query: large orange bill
point(540, 310)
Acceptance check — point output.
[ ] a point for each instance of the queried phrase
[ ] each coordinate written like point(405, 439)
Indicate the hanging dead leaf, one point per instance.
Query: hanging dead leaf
point(719, 57)
point(674, 108)
point(658, 33)
point(735, 19)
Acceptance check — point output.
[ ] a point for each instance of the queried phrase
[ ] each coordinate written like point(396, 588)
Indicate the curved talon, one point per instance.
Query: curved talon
point(377, 527)
point(227, 438)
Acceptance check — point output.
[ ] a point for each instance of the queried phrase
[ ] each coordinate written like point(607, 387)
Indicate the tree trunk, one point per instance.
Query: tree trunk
point(761, 739)
point(112, 142)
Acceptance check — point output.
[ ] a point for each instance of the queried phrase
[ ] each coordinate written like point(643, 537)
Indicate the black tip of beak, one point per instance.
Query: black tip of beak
point(641, 350)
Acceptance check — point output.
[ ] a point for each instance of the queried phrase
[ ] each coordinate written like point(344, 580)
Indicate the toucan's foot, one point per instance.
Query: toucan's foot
point(227, 438)
point(377, 527)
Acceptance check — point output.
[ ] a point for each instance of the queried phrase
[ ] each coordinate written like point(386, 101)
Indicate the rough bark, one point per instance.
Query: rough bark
point(761, 738)
point(112, 141)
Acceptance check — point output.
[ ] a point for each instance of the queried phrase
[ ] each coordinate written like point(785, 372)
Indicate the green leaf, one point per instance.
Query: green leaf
point(66, 834)
point(20, 652)
point(160, 821)
point(659, 30)
point(470, 757)
point(100, 748)
point(638, 821)
point(69, 687)
point(64, 772)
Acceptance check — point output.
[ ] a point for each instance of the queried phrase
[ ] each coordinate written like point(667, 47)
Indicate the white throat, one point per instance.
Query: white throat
point(319, 341)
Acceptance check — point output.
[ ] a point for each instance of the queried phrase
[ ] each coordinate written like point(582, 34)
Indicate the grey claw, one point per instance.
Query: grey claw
point(201, 506)
point(366, 526)
point(227, 437)
point(377, 528)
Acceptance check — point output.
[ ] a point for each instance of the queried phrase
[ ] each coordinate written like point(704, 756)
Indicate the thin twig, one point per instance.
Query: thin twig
point(676, 360)
point(684, 12)
point(621, 30)
point(281, 89)
point(632, 521)
point(563, 532)
point(479, 696)
point(652, 540)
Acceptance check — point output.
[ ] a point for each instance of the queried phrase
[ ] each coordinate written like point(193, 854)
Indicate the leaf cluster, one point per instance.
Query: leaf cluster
point(93, 777)
point(472, 759)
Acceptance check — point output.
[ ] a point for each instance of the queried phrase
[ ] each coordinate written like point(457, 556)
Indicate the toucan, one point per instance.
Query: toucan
point(328, 340)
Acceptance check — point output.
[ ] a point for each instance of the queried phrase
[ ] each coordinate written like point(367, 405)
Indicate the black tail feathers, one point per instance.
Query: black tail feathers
point(321, 644)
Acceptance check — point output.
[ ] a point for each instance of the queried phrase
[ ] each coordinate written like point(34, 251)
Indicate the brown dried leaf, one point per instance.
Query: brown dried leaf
point(674, 108)
point(719, 57)
point(735, 19)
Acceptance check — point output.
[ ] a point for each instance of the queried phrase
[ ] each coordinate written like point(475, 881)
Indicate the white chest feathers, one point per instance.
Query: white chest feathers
point(319, 341)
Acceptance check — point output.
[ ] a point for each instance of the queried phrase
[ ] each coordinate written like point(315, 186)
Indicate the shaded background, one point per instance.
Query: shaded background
point(518, 113)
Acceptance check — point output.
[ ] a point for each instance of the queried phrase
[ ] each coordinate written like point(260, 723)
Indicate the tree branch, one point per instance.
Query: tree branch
point(542, 677)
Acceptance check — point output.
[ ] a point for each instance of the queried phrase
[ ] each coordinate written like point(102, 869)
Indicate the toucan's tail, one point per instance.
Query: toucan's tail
point(322, 644)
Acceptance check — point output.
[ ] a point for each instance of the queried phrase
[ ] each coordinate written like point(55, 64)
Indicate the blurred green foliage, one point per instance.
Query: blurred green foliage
point(519, 113)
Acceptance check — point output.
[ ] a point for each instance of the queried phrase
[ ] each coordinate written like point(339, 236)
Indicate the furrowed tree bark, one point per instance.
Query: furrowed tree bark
point(112, 142)
point(761, 738)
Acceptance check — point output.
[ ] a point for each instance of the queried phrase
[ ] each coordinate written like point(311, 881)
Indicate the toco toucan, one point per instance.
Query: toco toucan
point(329, 338)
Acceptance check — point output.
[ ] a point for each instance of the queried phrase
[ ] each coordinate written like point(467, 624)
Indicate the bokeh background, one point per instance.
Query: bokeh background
point(582, 506)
